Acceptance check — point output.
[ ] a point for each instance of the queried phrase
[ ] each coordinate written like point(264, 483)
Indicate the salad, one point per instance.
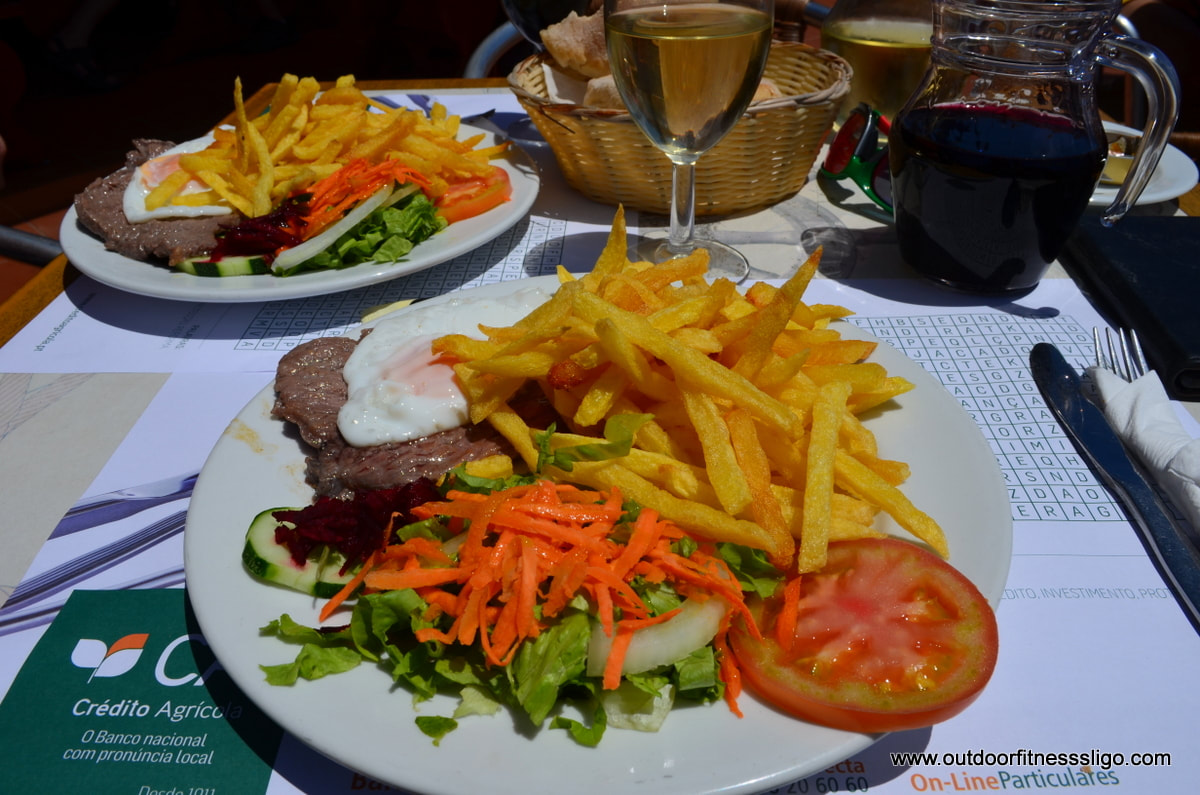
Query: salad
point(518, 592)
point(321, 179)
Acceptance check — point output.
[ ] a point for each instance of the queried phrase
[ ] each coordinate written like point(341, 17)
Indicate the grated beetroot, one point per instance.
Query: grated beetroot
point(353, 527)
point(266, 234)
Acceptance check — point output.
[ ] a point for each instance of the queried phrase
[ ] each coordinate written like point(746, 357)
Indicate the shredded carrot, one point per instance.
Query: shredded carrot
point(616, 658)
point(526, 552)
point(789, 612)
point(620, 645)
point(381, 580)
point(349, 588)
point(731, 674)
point(335, 195)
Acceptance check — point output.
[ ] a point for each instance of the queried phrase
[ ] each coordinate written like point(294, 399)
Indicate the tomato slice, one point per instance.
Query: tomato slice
point(474, 196)
point(888, 636)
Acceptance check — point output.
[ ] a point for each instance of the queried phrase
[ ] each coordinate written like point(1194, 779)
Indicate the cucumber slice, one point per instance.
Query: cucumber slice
point(271, 562)
point(227, 266)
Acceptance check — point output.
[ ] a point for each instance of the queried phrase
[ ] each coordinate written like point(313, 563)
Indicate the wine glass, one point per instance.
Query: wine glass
point(531, 17)
point(686, 71)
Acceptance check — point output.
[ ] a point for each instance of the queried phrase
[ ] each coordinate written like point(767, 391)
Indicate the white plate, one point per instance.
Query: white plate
point(89, 255)
point(1174, 176)
point(353, 718)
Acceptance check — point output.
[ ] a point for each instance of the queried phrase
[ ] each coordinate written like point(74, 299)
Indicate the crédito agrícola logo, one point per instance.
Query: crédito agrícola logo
point(109, 661)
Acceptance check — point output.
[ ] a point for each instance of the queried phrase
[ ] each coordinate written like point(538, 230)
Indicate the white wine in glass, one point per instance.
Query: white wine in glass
point(687, 71)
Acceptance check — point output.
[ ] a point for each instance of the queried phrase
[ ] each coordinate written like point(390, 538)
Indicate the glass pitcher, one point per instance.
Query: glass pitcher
point(995, 156)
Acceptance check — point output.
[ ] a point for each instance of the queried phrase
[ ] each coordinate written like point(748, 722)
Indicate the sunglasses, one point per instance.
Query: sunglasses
point(856, 154)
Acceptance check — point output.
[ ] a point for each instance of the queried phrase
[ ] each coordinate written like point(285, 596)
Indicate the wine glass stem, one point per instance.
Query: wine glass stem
point(683, 207)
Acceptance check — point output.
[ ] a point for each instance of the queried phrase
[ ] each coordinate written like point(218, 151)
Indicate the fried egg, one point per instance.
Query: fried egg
point(151, 173)
point(397, 390)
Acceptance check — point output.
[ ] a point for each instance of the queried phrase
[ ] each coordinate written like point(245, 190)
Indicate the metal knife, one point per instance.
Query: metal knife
point(1177, 560)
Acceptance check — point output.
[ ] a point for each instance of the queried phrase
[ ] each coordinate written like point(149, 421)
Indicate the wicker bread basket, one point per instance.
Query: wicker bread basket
point(764, 159)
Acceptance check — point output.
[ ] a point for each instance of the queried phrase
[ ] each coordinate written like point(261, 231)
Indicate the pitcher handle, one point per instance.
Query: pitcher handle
point(1160, 81)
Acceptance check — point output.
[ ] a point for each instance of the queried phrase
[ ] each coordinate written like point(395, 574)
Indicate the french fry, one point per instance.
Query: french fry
point(858, 478)
point(751, 457)
point(513, 428)
point(495, 467)
point(165, 191)
point(846, 530)
point(753, 352)
point(624, 355)
point(728, 479)
point(612, 258)
point(600, 398)
point(696, 517)
point(862, 377)
point(818, 485)
point(892, 386)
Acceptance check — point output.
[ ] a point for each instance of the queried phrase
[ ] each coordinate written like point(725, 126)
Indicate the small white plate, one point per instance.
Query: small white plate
point(87, 253)
point(357, 719)
point(1175, 175)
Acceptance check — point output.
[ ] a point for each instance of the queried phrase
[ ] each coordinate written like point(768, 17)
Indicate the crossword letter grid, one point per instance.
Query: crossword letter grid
point(983, 360)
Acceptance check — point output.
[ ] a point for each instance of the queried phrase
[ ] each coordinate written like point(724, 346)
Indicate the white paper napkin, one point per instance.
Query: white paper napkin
point(1143, 416)
point(562, 87)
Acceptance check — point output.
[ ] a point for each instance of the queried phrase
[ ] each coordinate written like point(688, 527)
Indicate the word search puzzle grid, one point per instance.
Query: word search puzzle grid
point(531, 248)
point(983, 360)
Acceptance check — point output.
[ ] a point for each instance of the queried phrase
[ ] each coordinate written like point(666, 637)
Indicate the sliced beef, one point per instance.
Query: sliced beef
point(101, 211)
point(310, 390)
point(339, 469)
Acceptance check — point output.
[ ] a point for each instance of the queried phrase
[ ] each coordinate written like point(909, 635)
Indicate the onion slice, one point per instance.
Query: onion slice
point(291, 257)
point(694, 627)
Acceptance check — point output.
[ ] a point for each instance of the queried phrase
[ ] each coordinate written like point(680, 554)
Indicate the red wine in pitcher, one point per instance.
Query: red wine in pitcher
point(986, 195)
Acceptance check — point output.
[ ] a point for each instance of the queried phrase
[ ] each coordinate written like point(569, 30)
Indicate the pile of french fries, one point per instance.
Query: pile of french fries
point(307, 134)
point(755, 436)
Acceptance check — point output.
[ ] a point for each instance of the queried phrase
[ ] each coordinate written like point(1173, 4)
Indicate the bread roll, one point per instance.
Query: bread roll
point(577, 44)
point(602, 93)
point(767, 89)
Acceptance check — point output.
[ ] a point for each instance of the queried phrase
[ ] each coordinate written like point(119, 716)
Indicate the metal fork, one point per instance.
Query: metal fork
point(1121, 354)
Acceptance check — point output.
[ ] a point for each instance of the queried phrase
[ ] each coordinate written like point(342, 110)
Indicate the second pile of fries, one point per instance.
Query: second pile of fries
point(308, 134)
point(754, 437)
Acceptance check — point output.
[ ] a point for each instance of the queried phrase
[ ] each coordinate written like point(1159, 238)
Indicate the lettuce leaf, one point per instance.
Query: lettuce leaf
point(386, 235)
point(313, 662)
point(553, 659)
point(754, 572)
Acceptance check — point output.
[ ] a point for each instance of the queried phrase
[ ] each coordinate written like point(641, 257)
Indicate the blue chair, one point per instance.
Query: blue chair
point(491, 50)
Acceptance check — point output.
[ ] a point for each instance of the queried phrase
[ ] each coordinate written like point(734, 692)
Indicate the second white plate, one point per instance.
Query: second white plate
point(1175, 175)
point(88, 254)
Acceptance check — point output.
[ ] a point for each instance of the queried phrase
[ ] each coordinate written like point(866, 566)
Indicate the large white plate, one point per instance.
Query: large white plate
point(1174, 176)
point(88, 254)
point(353, 718)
